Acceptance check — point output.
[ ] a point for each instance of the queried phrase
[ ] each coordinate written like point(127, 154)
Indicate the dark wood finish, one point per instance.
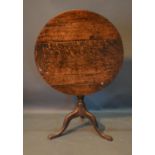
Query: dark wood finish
point(79, 52)
point(80, 111)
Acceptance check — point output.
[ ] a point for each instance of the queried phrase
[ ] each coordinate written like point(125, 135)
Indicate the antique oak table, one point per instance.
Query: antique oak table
point(79, 52)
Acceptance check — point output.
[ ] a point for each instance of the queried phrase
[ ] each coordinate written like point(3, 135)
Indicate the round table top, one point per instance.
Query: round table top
point(78, 52)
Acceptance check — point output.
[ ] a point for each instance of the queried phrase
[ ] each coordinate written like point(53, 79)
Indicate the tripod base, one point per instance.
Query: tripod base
point(80, 111)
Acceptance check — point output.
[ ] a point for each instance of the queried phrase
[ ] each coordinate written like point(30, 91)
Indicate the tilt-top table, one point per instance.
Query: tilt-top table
point(79, 52)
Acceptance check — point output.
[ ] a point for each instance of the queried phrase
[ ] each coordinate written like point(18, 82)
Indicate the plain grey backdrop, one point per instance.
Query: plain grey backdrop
point(37, 93)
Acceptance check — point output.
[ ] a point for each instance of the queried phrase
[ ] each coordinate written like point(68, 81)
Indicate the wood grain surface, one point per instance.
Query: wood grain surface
point(79, 52)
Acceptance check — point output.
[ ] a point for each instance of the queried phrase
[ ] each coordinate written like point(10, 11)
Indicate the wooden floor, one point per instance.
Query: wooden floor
point(80, 138)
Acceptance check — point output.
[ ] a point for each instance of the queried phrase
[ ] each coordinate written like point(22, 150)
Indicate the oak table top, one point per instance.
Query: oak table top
point(79, 52)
